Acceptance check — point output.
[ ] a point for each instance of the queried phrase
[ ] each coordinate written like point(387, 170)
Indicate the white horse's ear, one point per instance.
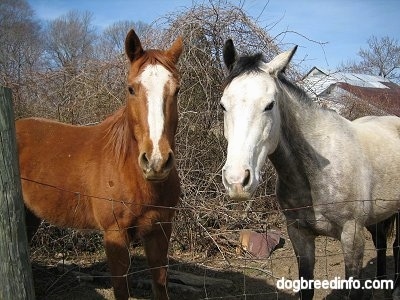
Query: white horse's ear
point(280, 62)
point(229, 54)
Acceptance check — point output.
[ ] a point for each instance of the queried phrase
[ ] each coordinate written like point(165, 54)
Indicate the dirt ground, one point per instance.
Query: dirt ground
point(197, 277)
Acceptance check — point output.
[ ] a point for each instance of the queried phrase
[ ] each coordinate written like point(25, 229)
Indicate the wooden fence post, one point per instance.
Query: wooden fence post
point(15, 270)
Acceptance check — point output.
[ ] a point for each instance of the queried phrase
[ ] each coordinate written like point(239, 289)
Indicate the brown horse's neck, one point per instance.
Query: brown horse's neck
point(119, 138)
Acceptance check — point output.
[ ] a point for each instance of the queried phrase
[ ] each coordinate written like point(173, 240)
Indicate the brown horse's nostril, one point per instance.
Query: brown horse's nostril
point(170, 161)
point(143, 160)
point(156, 167)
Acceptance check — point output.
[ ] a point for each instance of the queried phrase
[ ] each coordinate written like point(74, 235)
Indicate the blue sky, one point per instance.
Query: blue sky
point(344, 25)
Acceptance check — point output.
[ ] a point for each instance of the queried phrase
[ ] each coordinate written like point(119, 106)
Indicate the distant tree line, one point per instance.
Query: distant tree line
point(49, 65)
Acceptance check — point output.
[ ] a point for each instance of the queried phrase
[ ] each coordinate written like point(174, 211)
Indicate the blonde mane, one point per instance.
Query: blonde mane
point(118, 137)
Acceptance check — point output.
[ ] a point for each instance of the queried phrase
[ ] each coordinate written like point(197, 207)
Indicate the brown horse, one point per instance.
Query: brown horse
point(118, 176)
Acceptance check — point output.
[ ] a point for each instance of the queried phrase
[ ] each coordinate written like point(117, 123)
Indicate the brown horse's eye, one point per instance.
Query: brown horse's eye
point(131, 90)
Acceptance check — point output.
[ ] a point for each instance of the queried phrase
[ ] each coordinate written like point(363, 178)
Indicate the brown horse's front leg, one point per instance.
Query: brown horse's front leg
point(118, 258)
point(156, 248)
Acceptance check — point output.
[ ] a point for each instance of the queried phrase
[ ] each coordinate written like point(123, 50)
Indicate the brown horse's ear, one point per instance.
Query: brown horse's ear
point(133, 47)
point(176, 50)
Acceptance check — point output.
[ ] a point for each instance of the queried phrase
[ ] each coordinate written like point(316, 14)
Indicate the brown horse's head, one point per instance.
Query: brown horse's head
point(153, 85)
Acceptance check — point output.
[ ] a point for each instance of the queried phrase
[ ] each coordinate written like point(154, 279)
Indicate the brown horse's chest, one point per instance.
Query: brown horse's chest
point(135, 205)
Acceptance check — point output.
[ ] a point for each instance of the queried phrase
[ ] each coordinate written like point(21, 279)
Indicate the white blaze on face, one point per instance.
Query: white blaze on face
point(248, 127)
point(154, 78)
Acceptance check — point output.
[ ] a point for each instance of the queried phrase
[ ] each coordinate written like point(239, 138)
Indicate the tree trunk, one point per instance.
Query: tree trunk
point(15, 269)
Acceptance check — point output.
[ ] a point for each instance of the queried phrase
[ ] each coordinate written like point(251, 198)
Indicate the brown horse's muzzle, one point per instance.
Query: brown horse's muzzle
point(156, 169)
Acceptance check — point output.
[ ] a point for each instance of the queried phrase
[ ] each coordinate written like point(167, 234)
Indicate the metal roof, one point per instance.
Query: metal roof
point(375, 90)
point(318, 80)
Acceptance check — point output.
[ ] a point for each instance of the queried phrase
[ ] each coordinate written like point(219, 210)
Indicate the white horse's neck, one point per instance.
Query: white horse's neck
point(297, 158)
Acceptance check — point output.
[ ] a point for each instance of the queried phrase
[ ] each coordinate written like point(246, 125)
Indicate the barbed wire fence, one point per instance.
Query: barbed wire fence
point(213, 258)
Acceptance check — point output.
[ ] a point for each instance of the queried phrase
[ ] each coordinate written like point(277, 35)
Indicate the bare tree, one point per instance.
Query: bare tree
point(70, 43)
point(21, 46)
point(113, 37)
point(19, 37)
point(70, 40)
point(381, 58)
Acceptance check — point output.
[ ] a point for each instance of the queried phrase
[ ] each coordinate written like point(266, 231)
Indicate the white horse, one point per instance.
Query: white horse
point(334, 176)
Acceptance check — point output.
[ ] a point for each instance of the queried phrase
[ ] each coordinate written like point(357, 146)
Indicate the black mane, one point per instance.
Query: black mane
point(297, 91)
point(244, 65)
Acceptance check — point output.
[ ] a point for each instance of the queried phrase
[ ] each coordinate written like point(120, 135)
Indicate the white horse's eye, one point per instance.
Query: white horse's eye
point(222, 107)
point(269, 106)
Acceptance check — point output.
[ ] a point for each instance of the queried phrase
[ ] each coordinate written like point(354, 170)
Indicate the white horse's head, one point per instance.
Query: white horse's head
point(251, 117)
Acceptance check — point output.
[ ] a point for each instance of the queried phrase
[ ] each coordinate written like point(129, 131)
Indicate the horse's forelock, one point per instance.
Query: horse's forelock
point(154, 57)
point(245, 65)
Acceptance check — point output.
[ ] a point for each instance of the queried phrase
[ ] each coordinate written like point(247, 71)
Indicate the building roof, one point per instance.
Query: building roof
point(376, 90)
point(318, 80)
point(387, 99)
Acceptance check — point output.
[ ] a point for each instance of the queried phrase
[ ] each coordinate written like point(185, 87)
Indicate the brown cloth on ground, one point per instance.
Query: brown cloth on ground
point(258, 244)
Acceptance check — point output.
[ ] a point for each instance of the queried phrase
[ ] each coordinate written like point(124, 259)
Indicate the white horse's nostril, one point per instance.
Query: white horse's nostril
point(247, 178)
